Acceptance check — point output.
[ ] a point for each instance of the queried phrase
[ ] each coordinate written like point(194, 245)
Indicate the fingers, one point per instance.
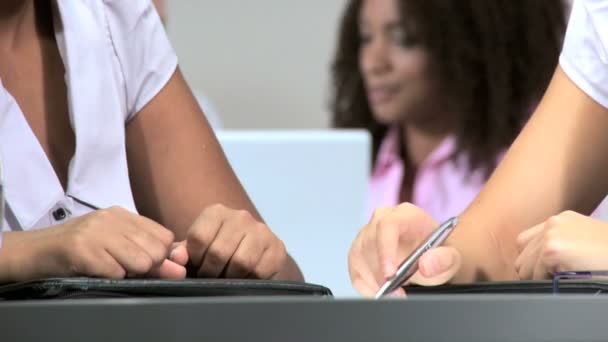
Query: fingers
point(247, 255)
point(541, 270)
point(158, 232)
point(168, 270)
point(220, 251)
point(437, 266)
point(406, 224)
point(115, 243)
point(203, 233)
point(387, 245)
point(103, 265)
point(526, 261)
point(179, 253)
point(530, 263)
point(524, 238)
point(365, 288)
point(381, 245)
point(133, 259)
point(369, 254)
point(399, 293)
point(140, 244)
point(231, 243)
point(148, 243)
point(270, 263)
point(145, 237)
point(361, 276)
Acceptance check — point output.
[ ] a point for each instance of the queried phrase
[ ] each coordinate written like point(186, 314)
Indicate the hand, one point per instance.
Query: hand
point(108, 243)
point(229, 243)
point(391, 235)
point(566, 242)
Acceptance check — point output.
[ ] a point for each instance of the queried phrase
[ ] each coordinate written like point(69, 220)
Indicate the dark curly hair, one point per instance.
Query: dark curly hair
point(494, 60)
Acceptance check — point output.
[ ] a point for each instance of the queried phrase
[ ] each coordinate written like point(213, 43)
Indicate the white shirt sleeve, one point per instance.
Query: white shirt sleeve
point(583, 56)
point(146, 56)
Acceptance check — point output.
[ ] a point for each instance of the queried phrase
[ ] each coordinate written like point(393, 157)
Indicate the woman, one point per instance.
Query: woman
point(529, 220)
point(96, 124)
point(443, 87)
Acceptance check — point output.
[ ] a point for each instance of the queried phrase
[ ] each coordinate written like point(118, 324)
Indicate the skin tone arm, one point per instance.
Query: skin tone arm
point(113, 242)
point(557, 163)
point(554, 165)
point(178, 171)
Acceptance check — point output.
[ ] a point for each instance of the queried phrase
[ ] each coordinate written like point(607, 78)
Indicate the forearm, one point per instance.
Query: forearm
point(556, 164)
point(177, 166)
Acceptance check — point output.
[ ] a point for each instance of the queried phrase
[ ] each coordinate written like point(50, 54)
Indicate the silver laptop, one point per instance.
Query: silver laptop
point(310, 186)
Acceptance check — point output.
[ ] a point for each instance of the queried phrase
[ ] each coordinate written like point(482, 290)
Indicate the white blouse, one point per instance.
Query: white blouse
point(117, 57)
point(584, 57)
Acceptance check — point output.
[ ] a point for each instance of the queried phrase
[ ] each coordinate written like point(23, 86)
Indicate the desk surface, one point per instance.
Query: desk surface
point(501, 318)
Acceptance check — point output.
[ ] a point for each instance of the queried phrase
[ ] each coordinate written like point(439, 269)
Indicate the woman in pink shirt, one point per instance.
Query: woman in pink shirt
point(443, 87)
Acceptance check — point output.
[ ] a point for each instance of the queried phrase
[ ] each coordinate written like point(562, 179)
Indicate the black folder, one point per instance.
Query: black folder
point(71, 288)
point(565, 286)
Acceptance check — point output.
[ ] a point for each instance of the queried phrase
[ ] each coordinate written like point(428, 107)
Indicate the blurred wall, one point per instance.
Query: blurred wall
point(262, 64)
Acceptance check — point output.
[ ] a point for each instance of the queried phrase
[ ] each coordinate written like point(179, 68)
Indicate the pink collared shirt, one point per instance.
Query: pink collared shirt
point(443, 187)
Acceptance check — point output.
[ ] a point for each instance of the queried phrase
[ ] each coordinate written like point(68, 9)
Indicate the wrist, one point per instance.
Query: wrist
point(484, 257)
point(10, 258)
point(27, 255)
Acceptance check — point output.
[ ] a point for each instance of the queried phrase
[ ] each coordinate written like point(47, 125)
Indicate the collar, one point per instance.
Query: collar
point(389, 153)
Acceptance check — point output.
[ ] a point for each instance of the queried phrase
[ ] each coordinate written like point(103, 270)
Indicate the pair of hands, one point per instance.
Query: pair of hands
point(565, 242)
point(115, 243)
point(568, 241)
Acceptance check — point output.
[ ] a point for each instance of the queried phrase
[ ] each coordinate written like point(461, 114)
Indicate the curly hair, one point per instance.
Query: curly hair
point(494, 60)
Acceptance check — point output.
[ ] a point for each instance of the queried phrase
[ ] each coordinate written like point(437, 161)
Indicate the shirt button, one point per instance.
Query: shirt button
point(59, 214)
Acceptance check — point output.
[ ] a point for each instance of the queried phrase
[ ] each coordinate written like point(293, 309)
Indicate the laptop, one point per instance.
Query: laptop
point(310, 186)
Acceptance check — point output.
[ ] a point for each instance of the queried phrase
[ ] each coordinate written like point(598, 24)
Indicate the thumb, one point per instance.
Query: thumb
point(168, 270)
point(437, 266)
point(179, 253)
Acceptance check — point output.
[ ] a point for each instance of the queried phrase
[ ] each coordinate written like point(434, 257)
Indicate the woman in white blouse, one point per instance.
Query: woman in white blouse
point(96, 124)
point(530, 220)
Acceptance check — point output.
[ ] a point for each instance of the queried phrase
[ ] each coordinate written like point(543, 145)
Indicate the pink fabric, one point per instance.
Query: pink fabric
point(443, 188)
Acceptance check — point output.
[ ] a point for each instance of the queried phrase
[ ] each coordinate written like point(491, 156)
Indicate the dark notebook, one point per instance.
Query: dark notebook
point(515, 287)
point(64, 288)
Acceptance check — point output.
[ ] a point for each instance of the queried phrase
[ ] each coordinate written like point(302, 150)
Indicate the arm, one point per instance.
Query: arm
point(558, 163)
point(554, 165)
point(177, 166)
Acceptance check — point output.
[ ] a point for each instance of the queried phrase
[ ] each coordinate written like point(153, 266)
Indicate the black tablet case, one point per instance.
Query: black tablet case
point(64, 288)
point(515, 287)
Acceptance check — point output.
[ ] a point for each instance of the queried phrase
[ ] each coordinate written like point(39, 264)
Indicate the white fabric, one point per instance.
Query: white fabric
point(117, 58)
point(584, 58)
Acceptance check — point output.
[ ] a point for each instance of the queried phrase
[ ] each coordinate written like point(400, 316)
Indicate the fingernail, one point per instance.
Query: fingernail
point(388, 268)
point(172, 254)
point(430, 266)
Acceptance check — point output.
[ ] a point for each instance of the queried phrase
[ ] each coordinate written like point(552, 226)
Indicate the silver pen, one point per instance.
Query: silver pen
point(410, 265)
